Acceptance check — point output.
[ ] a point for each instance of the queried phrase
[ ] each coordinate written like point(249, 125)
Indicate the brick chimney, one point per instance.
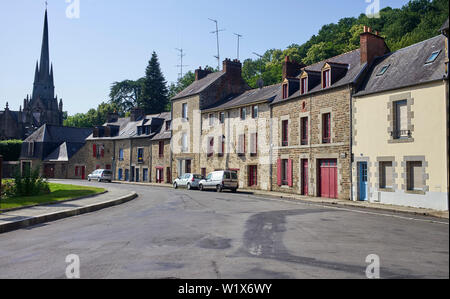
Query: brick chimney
point(232, 68)
point(372, 45)
point(112, 117)
point(200, 74)
point(136, 114)
point(291, 68)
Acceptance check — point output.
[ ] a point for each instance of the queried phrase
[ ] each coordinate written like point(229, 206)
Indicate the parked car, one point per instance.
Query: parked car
point(220, 180)
point(188, 180)
point(101, 175)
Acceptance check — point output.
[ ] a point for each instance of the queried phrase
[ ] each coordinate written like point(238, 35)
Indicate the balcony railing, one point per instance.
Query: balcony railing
point(399, 134)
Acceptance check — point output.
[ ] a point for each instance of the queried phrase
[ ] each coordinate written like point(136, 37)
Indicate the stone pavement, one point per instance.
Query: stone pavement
point(25, 217)
point(328, 201)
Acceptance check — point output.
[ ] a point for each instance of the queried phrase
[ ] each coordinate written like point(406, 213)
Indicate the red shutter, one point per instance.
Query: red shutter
point(94, 150)
point(289, 173)
point(279, 183)
point(102, 151)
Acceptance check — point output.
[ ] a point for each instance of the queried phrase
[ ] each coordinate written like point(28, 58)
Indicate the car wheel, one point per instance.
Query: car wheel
point(175, 186)
point(89, 179)
point(233, 190)
point(219, 188)
point(99, 180)
point(189, 187)
point(200, 187)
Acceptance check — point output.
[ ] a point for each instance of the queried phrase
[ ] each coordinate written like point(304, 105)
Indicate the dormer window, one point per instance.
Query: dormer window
point(383, 70)
point(168, 123)
point(326, 78)
point(139, 131)
point(147, 130)
point(433, 57)
point(304, 85)
point(285, 91)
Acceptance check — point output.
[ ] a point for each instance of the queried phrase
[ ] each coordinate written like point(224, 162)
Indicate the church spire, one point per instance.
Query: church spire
point(45, 53)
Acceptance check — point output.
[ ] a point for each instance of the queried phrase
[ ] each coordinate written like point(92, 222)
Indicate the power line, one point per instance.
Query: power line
point(216, 32)
point(238, 39)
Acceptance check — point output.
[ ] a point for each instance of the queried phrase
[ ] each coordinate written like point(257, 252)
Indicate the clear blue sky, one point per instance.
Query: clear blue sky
point(113, 40)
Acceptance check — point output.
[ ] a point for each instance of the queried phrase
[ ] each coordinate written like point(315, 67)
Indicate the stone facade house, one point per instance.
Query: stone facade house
point(207, 90)
point(400, 128)
point(312, 123)
point(51, 148)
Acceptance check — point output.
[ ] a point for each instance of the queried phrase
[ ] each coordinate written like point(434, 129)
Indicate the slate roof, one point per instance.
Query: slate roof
point(129, 129)
point(64, 152)
point(199, 86)
point(59, 134)
point(407, 67)
point(267, 93)
point(354, 68)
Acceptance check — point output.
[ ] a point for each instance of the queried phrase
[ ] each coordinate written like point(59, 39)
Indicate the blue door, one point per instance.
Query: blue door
point(362, 188)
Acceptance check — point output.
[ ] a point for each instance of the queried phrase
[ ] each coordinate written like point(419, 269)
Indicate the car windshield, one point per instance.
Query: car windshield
point(198, 177)
point(209, 176)
point(107, 172)
point(234, 176)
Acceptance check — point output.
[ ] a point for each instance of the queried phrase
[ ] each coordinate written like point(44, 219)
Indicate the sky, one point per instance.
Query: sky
point(112, 40)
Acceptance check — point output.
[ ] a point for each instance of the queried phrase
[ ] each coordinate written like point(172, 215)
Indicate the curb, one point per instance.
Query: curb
point(7, 227)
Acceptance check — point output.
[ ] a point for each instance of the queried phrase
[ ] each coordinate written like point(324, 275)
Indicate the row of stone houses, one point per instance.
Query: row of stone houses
point(369, 124)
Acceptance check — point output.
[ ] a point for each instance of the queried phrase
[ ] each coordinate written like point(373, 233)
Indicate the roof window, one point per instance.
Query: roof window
point(383, 70)
point(433, 57)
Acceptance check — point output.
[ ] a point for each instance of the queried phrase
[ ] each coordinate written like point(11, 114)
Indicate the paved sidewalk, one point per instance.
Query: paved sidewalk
point(320, 200)
point(25, 217)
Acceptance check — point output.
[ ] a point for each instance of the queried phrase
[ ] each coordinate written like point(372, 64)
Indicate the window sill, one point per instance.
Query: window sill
point(401, 140)
point(386, 190)
point(418, 192)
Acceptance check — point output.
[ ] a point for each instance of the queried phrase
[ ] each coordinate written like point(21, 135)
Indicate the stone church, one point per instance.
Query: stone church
point(42, 107)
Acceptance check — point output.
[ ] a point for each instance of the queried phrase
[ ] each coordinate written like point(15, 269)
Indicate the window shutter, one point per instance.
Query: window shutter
point(254, 144)
point(279, 183)
point(102, 151)
point(289, 174)
point(94, 150)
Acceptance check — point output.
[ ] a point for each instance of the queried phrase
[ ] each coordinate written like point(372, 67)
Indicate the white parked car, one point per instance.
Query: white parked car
point(188, 180)
point(220, 180)
point(101, 175)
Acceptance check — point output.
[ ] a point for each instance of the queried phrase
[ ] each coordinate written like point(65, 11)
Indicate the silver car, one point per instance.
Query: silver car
point(101, 175)
point(188, 180)
point(220, 180)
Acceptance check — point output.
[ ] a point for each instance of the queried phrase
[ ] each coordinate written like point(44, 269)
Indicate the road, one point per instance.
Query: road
point(168, 233)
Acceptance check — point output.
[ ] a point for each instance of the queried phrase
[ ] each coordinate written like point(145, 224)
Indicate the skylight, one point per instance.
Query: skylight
point(433, 57)
point(383, 70)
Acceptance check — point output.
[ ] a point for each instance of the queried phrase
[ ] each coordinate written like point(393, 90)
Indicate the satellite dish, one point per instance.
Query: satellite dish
point(260, 83)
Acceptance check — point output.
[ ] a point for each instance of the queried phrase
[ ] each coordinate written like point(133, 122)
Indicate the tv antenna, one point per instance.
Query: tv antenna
point(260, 80)
point(216, 32)
point(238, 39)
point(181, 65)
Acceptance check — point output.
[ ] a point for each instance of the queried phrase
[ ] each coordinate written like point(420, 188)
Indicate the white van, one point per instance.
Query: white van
point(220, 180)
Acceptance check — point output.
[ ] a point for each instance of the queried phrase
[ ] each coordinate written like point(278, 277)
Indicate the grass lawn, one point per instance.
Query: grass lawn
point(58, 192)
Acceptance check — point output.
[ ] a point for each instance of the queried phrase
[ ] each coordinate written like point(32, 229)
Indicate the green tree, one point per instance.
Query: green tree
point(126, 94)
point(154, 98)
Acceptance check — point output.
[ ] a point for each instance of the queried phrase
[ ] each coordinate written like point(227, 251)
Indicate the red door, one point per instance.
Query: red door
point(305, 177)
point(49, 170)
point(83, 172)
point(328, 178)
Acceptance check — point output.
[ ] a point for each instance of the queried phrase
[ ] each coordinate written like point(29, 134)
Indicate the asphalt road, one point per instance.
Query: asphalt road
point(168, 233)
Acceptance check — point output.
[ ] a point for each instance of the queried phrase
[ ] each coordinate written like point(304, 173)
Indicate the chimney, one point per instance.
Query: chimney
point(371, 45)
point(232, 68)
point(136, 114)
point(291, 68)
point(200, 74)
point(112, 117)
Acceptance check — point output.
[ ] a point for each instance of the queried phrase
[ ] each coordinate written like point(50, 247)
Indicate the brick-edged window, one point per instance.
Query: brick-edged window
point(184, 143)
point(243, 113)
point(304, 130)
point(255, 111)
point(285, 133)
point(140, 155)
point(284, 172)
point(210, 146)
point(414, 176)
point(98, 151)
point(184, 111)
point(254, 144)
point(161, 149)
point(211, 119)
point(401, 120)
point(326, 78)
point(241, 145)
point(326, 128)
point(386, 175)
point(304, 86)
point(285, 91)
point(121, 154)
point(221, 146)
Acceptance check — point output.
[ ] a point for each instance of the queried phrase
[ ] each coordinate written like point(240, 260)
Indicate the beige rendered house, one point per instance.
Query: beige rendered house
point(400, 128)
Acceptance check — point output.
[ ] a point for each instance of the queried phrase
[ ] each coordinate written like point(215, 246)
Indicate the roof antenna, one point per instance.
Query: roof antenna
point(238, 38)
point(216, 32)
point(260, 80)
point(181, 65)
